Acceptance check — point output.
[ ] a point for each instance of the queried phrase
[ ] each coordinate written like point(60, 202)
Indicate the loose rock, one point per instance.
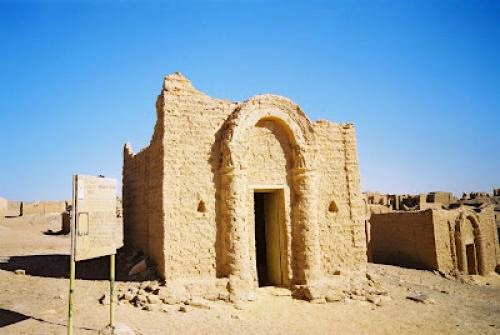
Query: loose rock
point(153, 299)
point(419, 297)
point(138, 268)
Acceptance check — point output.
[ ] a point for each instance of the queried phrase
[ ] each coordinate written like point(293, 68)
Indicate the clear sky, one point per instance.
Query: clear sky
point(420, 79)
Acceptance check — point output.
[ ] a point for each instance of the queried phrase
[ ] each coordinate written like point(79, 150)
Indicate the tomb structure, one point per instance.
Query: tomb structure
point(237, 195)
point(463, 240)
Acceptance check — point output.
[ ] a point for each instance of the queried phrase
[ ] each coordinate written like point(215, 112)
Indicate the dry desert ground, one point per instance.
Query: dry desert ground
point(36, 302)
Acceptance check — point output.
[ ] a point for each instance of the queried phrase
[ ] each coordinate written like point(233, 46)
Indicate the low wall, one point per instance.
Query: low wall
point(404, 239)
point(13, 208)
point(3, 208)
point(43, 207)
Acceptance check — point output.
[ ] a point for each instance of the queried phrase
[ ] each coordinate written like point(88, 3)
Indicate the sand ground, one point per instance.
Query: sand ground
point(36, 303)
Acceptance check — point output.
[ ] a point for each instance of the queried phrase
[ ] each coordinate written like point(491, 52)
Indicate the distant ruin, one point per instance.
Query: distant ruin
point(249, 193)
point(435, 231)
point(4, 206)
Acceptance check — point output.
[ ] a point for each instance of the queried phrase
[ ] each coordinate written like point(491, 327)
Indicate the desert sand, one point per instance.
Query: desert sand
point(36, 302)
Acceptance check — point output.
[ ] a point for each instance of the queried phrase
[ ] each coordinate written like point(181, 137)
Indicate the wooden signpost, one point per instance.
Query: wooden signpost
point(95, 231)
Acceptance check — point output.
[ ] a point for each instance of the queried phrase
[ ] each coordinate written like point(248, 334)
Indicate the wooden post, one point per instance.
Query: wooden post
point(112, 292)
point(72, 261)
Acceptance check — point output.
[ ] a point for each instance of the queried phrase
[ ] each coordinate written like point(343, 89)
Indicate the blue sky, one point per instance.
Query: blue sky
point(420, 79)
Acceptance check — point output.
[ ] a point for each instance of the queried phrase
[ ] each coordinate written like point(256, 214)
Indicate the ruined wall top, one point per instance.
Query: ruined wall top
point(240, 115)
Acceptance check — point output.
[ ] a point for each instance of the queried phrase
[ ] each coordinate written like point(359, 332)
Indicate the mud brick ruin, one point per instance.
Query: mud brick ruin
point(245, 194)
point(434, 231)
point(4, 206)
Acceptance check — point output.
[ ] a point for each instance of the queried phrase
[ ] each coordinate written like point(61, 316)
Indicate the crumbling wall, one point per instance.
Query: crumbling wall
point(14, 208)
point(436, 239)
point(404, 239)
point(4, 206)
point(214, 155)
point(43, 207)
point(489, 238)
point(191, 160)
point(143, 206)
point(446, 239)
point(340, 204)
point(444, 198)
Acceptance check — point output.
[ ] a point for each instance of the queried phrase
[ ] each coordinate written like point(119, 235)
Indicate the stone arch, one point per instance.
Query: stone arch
point(460, 242)
point(267, 107)
point(233, 188)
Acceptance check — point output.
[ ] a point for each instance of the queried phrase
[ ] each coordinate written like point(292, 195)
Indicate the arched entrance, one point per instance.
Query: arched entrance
point(469, 246)
point(303, 261)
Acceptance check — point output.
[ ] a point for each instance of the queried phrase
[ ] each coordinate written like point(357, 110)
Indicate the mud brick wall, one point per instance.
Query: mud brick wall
point(404, 239)
point(340, 207)
point(188, 196)
point(4, 206)
point(43, 207)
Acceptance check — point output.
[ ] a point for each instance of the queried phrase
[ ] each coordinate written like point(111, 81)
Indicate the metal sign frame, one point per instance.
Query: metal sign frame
point(75, 216)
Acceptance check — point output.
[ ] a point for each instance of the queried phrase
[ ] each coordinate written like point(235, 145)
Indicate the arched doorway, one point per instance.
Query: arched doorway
point(300, 259)
point(469, 246)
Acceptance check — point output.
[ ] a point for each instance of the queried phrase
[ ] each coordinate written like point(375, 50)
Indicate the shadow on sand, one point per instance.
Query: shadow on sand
point(8, 318)
point(57, 266)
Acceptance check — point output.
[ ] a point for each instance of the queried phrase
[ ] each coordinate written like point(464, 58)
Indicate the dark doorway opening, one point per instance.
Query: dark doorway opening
point(260, 238)
point(470, 250)
point(268, 208)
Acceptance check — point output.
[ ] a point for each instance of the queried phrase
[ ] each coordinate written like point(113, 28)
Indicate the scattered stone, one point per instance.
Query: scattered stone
point(234, 316)
point(358, 297)
point(212, 297)
point(170, 300)
point(199, 303)
point(141, 298)
point(358, 292)
point(133, 290)
point(240, 306)
point(374, 299)
point(128, 296)
point(151, 307)
point(153, 299)
point(419, 297)
point(143, 285)
point(152, 287)
point(120, 329)
point(334, 296)
point(225, 297)
point(20, 272)
point(183, 309)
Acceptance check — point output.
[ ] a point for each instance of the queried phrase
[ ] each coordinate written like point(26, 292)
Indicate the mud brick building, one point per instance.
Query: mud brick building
point(245, 193)
point(461, 240)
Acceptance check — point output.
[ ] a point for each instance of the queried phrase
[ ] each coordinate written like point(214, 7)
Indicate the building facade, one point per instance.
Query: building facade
point(250, 193)
point(456, 241)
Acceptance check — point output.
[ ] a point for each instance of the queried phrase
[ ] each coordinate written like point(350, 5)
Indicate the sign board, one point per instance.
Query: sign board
point(96, 229)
